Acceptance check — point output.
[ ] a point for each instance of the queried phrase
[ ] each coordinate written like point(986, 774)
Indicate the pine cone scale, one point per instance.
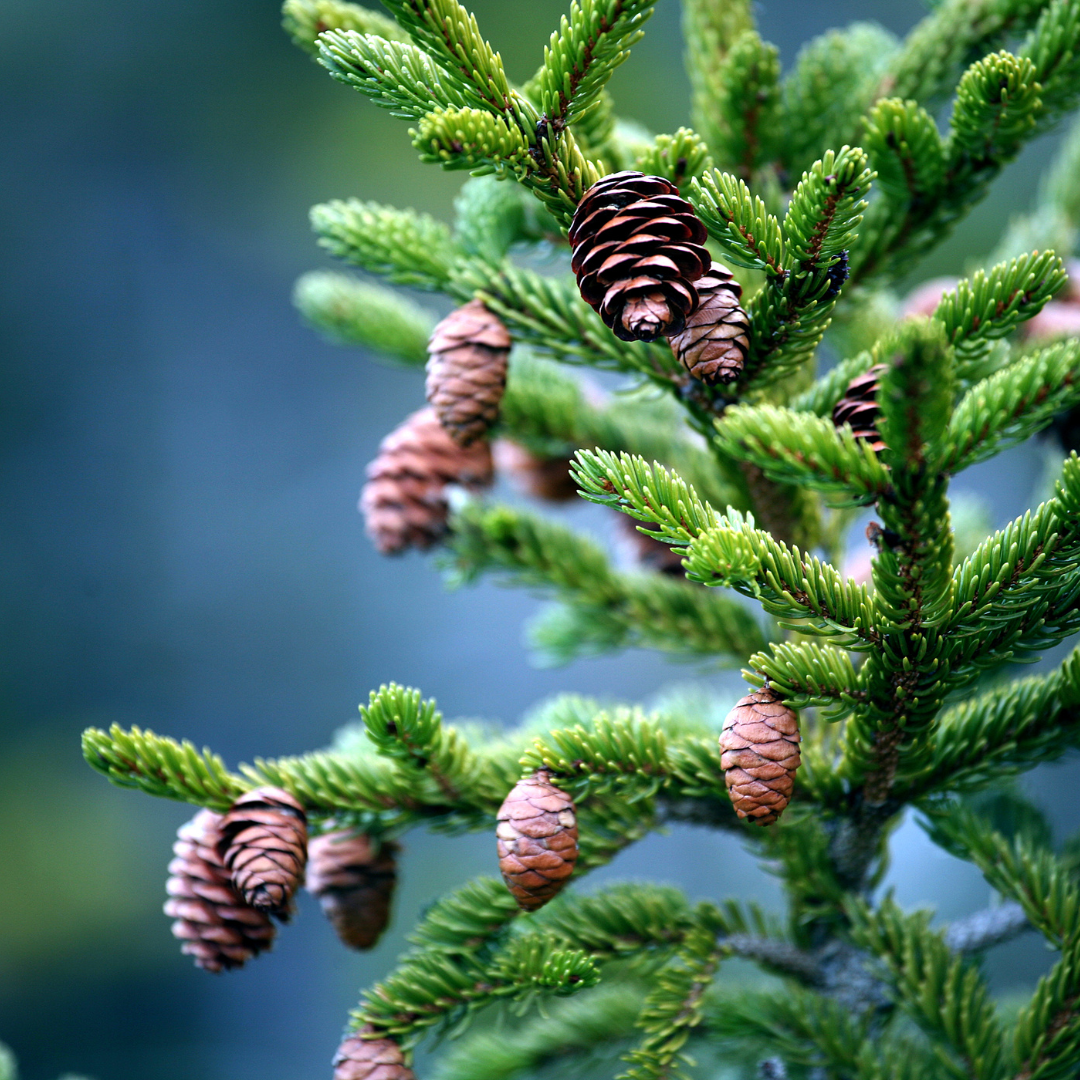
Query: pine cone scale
point(217, 929)
point(715, 340)
point(637, 249)
point(859, 408)
point(537, 840)
point(264, 845)
point(358, 1058)
point(354, 885)
point(467, 363)
point(759, 755)
point(404, 502)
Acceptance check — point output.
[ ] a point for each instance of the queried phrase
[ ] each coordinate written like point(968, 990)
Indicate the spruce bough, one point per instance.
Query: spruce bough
point(819, 187)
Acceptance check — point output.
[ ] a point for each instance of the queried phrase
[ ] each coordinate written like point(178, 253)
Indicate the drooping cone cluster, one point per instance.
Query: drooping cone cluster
point(637, 251)
point(715, 340)
point(466, 371)
point(859, 408)
point(358, 1058)
point(263, 843)
point(404, 501)
point(546, 478)
point(215, 925)
point(759, 747)
point(537, 840)
point(354, 880)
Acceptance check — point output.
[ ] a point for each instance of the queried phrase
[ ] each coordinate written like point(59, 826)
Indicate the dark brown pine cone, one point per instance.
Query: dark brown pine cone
point(466, 371)
point(546, 478)
point(713, 344)
point(649, 553)
point(404, 501)
point(859, 408)
point(264, 845)
point(637, 250)
point(354, 882)
point(215, 925)
point(759, 747)
point(537, 840)
point(358, 1058)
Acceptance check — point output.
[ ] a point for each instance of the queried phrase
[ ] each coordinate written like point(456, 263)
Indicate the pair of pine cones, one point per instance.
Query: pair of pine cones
point(233, 871)
point(640, 263)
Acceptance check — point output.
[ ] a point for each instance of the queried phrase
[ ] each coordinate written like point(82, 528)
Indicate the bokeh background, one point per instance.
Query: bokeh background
point(179, 545)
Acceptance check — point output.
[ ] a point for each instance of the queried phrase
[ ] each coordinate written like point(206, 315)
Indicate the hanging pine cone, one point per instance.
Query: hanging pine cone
point(759, 747)
point(859, 408)
point(466, 371)
point(264, 845)
point(354, 882)
point(713, 344)
point(537, 840)
point(358, 1058)
point(546, 478)
point(404, 501)
point(648, 552)
point(637, 252)
point(215, 925)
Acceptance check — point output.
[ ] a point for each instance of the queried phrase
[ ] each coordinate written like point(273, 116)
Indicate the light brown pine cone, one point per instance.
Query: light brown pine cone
point(466, 371)
point(264, 845)
point(358, 1058)
point(714, 343)
point(759, 747)
point(537, 840)
point(404, 501)
point(215, 925)
point(637, 250)
point(354, 884)
point(859, 408)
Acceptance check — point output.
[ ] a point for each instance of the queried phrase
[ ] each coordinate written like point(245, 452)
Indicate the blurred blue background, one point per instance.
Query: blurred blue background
point(179, 545)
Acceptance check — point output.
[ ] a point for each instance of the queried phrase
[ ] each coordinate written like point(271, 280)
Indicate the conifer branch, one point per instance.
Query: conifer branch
point(1013, 404)
point(1007, 729)
point(628, 609)
point(549, 315)
point(352, 312)
point(394, 74)
point(913, 570)
point(674, 1008)
point(582, 55)
point(746, 91)
point(404, 247)
point(305, 20)
point(991, 305)
point(984, 929)
point(729, 550)
point(945, 997)
point(709, 29)
point(160, 766)
point(799, 448)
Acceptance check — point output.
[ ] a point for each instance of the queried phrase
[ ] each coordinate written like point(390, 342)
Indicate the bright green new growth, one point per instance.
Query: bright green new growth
point(822, 185)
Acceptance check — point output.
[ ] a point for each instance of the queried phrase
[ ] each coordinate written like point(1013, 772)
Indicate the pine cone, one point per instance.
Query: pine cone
point(637, 251)
point(358, 1058)
point(264, 845)
point(404, 500)
point(647, 552)
point(215, 925)
point(713, 344)
point(537, 840)
point(759, 755)
point(353, 883)
point(466, 371)
point(859, 408)
point(546, 478)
